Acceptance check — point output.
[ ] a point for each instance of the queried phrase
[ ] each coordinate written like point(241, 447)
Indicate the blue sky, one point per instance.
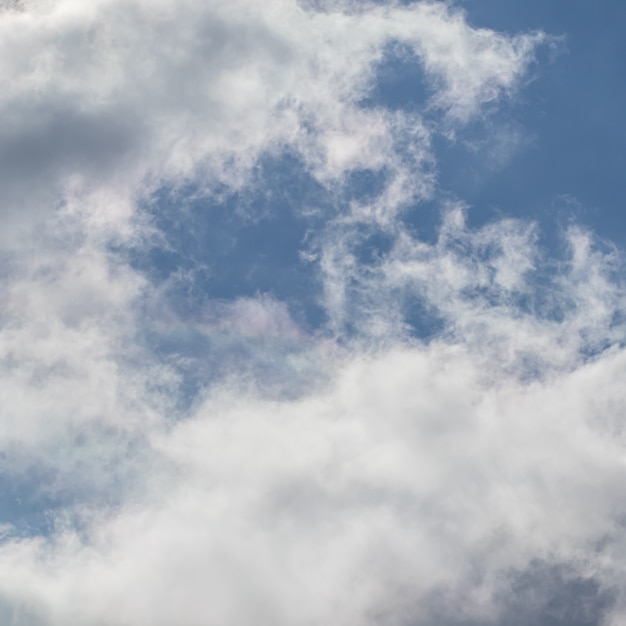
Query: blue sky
point(312, 312)
point(571, 111)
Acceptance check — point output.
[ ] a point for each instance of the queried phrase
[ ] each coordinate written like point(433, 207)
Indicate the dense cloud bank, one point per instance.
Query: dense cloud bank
point(171, 454)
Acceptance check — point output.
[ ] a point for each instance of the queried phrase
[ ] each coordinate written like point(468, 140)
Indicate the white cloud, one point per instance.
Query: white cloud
point(412, 472)
point(382, 470)
point(127, 93)
point(403, 473)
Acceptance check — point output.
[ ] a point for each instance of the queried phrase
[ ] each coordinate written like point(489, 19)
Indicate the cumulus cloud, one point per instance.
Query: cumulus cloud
point(415, 473)
point(225, 463)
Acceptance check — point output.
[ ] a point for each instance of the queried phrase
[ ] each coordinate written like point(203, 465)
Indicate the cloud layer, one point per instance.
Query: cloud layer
point(444, 446)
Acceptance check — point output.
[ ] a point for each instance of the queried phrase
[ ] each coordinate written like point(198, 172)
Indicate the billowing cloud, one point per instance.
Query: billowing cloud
point(442, 444)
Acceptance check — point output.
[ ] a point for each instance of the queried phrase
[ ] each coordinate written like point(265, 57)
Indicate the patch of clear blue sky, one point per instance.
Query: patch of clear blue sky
point(232, 245)
point(556, 151)
point(571, 119)
point(23, 505)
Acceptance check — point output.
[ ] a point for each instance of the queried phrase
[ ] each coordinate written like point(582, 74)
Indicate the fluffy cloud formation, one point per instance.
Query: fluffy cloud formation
point(129, 94)
point(224, 463)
